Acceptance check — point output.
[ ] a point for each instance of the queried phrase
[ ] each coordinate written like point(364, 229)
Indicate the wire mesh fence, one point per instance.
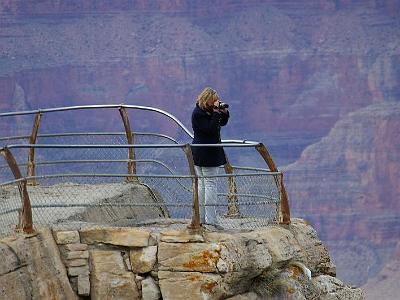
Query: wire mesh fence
point(10, 205)
point(105, 199)
point(94, 160)
point(108, 184)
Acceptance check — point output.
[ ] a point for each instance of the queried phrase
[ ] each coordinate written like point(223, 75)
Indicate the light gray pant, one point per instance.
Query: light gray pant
point(207, 193)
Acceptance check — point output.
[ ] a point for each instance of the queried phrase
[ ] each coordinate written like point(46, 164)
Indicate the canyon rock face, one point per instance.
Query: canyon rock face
point(292, 69)
point(348, 185)
point(282, 262)
point(385, 284)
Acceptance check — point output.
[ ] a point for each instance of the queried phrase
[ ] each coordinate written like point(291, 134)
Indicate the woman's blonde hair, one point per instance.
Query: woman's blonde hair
point(207, 94)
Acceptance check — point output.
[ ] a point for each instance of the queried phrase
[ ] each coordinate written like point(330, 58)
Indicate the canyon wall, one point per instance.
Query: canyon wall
point(348, 186)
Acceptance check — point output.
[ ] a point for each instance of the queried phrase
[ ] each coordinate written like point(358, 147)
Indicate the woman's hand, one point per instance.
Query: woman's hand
point(215, 106)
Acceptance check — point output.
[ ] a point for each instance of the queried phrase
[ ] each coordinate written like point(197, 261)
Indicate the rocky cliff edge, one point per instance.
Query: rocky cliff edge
point(167, 261)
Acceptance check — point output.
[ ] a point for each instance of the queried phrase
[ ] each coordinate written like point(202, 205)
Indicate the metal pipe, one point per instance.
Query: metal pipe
point(123, 146)
point(17, 137)
point(139, 107)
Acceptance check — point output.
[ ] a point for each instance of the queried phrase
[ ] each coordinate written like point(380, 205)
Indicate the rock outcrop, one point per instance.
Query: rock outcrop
point(347, 186)
point(31, 268)
point(172, 263)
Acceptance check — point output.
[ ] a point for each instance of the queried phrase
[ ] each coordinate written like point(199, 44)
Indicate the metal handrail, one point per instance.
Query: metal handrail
point(136, 175)
point(131, 162)
point(118, 106)
point(99, 146)
point(64, 134)
point(66, 108)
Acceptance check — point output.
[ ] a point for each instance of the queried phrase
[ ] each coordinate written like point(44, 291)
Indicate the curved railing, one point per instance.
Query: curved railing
point(25, 217)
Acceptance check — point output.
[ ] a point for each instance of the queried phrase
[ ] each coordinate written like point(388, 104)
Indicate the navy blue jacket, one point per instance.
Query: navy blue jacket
point(207, 128)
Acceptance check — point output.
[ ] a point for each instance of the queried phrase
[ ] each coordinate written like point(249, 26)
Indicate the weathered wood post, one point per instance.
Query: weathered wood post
point(31, 157)
point(285, 210)
point(25, 217)
point(131, 141)
point(233, 206)
point(195, 224)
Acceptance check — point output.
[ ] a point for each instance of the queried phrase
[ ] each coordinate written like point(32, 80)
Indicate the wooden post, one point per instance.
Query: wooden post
point(279, 180)
point(285, 210)
point(31, 157)
point(131, 141)
point(195, 224)
point(233, 207)
point(25, 216)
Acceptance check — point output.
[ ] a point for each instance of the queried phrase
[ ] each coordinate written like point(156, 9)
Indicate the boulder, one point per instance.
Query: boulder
point(331, 288)
point(83, 285)
point(78, 270)
point(143, 259)
point(316, 256)
point(281, 243)
point(150, 289)
point(66, 237)
point(201, 257)
point(109, 277)
point(243, 255)
point(189, 285)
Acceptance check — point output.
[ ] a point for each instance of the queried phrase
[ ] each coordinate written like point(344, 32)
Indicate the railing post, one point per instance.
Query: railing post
point(279, 181)
point(285, 210)
point(131, 141)
point(31, 157)
point(25, 216)
point(195, 224)
point(233, 207)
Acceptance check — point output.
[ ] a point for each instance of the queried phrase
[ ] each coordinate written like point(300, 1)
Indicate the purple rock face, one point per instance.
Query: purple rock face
point(290, 70)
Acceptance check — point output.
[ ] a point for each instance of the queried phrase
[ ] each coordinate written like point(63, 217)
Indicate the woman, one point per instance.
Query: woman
point(207, 120)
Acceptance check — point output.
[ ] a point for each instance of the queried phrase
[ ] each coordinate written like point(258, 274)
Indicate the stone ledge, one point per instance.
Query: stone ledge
point(77, 254)
point(180, 236)
point(119, 236)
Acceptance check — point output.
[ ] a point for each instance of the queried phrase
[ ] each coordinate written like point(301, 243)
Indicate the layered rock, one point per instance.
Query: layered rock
point(31, 268)
point(385, 284)
point(288, 262)
point(347, 186)
point(301, 78)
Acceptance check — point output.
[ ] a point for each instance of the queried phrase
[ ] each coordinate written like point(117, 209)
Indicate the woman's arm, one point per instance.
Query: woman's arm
point(224, 117)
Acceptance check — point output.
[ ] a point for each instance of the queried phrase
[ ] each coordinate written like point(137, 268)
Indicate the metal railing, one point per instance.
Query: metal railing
point(244, 188)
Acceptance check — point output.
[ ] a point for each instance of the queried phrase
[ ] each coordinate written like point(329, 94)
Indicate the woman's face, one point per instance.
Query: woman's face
point(211, 101)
